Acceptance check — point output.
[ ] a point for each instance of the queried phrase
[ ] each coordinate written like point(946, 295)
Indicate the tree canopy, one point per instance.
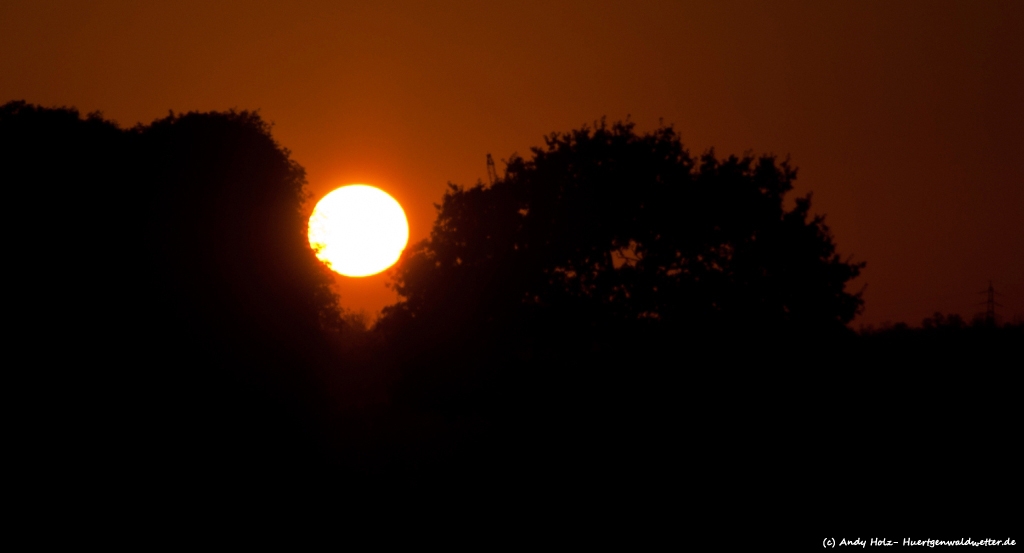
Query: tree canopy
point(606, 229)
point(167, 270)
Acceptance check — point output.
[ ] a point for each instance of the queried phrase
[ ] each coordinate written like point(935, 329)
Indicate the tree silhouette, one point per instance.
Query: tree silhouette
point(605, 230)
point(610, 292)
point(167, 297)
point(225, 215)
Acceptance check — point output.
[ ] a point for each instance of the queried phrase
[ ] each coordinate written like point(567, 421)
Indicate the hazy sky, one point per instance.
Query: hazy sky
point(906, 119)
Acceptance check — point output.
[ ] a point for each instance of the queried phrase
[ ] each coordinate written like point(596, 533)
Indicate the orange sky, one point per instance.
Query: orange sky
point(905, 118)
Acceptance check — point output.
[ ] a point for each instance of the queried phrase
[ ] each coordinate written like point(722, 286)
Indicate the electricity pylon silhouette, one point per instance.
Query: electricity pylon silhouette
point(990, 305)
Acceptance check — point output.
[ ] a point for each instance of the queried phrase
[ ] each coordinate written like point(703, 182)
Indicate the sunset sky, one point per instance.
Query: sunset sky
point(906, 119)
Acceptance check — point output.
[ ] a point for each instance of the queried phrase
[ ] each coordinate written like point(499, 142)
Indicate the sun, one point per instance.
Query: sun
point(358, 230)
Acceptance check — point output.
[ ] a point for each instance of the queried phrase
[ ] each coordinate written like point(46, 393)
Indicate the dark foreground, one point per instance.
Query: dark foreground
point(176, 347)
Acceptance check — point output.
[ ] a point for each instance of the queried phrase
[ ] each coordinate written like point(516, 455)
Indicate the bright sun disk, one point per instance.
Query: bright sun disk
point(358, 230)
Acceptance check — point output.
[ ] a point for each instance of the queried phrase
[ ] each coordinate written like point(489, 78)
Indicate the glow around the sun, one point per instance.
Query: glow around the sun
point(358, 230)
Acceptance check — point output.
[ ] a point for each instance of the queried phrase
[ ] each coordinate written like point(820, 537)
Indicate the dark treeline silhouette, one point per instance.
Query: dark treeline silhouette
point(611, 318)
point(915, 424)
point(607, 236)
point(607, 290)
point(614, 305)
point(606, 228)
point(168, 308)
